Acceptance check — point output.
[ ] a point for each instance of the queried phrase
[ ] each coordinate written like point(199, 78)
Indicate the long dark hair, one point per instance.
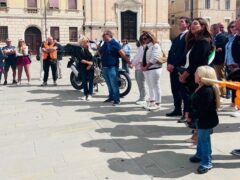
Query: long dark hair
point(229, 27)
point(203, 34)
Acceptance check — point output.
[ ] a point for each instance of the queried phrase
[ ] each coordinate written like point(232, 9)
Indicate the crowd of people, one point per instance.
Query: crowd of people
point(202, 52)
point(19, 58)
point(198, 52)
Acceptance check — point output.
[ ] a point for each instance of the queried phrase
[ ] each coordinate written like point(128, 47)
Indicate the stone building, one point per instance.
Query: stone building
point(213, 11)
point(30, 20)
point(238, 8)
point(66, 20)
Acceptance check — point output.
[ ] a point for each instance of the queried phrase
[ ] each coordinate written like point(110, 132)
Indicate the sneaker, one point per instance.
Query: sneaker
point(54, 83)
point(44, 84)
point(108, 100)
point(154, 107)
point(235, 114)
point(230, 108)
point(19, 83)
point(89, 98)
point(116, 103)
point(236, 152)
point(5, 82)
point(14, 82)
point(84, 98)
point(29, 84)
point(140, 103)
point(203, 170)
point(148, 105)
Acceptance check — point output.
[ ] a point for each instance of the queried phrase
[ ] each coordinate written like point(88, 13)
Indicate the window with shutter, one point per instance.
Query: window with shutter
point(54, 4)
point(207, 4)
point(3, 33)
point(73, 34)
point(54, 31)
point(32, 3)
point(3, 3)
point(72, 4)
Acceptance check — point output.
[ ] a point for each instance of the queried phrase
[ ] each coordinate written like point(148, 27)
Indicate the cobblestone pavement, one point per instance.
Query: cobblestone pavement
point(48, 133)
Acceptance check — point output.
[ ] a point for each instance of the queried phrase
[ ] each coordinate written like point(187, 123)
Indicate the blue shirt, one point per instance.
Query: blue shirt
point(127, 49)
point(109, 53)
point(228, 55)
point(10, 56)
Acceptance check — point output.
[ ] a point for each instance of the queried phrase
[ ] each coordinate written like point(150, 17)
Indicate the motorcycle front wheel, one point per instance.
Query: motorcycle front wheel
point(76, 82)
point(124, 83)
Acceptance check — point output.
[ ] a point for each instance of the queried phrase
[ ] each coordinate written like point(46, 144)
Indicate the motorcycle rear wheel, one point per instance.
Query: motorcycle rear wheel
point(76, 82)
point(124, 83)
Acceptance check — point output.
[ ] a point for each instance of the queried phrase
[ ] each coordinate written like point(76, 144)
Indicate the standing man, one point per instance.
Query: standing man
point(9, 52)
point(110, 52)
point(49, 52)
point(220, 41)
point(221, 27)
point(127, 50)
point(59, 58)
point(175, 60)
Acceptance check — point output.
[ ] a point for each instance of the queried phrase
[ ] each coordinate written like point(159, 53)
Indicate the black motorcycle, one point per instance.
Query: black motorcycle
point(124, 81)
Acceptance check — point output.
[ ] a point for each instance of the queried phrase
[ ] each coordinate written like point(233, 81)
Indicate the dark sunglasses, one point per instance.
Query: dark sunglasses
point(145, 38)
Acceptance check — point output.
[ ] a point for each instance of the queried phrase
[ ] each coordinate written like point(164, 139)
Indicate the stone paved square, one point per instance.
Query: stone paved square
point(48, 133)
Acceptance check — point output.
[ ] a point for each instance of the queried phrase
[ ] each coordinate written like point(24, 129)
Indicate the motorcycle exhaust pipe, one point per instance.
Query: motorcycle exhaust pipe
point(74, 70)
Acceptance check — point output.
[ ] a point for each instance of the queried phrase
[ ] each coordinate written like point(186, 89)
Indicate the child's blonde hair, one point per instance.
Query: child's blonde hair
point(209, 72)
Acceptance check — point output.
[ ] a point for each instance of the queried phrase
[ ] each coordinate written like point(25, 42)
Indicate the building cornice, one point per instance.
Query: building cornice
point(155, 26)
point(41, 17)
point(124, 5)
point(108, 24)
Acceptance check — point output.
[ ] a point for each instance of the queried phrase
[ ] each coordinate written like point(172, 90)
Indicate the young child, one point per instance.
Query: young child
point(204, 102)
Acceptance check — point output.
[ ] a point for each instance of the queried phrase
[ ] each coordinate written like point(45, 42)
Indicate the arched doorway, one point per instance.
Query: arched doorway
point(129, 26)
point(33, 39)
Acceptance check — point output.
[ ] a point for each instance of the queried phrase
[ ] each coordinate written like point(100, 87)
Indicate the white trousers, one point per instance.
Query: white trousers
point(59, 69)
point(41, 69)
point(152, 78)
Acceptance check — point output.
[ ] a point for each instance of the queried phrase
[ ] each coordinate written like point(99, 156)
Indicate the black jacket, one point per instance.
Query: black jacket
point(177, 51)
point(203, 108)
point(220, 42)
point(86, 55)
point(236, 50)
point(198, 56)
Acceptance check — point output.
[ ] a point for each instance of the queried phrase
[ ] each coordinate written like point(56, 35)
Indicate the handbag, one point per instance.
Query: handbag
point(163, 58)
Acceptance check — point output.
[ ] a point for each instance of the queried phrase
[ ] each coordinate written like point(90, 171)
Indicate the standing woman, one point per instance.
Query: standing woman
point(152, 70)
point(23, 61)
point(199, 46)
point(139, 75)
point(86, 68)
